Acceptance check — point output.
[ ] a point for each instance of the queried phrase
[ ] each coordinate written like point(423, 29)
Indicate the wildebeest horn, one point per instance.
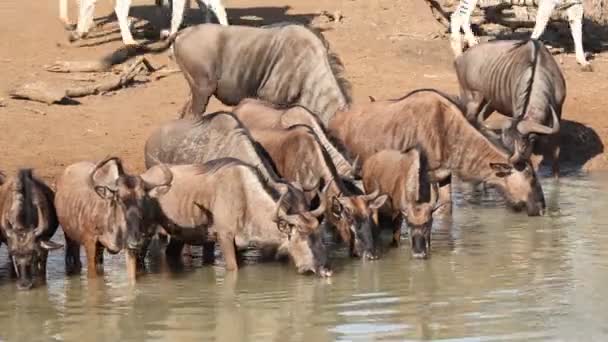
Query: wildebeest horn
point(373, 195)
point(527, 126)
point(103, 179)
point(321, 208)
point(42, 226)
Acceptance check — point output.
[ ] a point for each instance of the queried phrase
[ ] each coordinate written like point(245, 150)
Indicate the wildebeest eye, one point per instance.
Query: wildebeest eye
point(519, 166)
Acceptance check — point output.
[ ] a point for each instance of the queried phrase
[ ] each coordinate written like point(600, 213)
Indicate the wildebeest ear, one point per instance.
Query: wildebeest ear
point(50, 245)
point(378, 202)
point(157, 180)
point(502, 169)
point(106, 174)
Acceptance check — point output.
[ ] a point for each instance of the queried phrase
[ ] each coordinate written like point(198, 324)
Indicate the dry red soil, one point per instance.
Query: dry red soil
point(388, 48)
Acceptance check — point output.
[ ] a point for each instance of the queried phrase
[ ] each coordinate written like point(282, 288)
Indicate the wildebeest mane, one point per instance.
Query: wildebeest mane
point(28, 214)
point(424, 183)
point(335, 63)
point(326, 158)
point(261, 152)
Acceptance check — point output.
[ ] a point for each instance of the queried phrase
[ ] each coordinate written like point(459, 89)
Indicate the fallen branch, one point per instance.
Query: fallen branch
point(119, 56)
point(41, 92)
point(167, 72)
point(115, 82)
point(34, 110)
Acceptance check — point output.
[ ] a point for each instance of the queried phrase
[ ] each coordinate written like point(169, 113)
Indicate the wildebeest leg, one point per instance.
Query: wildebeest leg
point(228, 251)
point(72, 256)
point(398, 224)
point(444, 197)
point(174, 249)
point(575, 17)
point(209, 252)
point(555, 157)
point(201, 92)
point(90, 248)
point(131, 262)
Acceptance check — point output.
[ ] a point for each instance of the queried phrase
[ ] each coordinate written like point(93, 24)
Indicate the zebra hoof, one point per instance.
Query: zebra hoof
point(586, 68)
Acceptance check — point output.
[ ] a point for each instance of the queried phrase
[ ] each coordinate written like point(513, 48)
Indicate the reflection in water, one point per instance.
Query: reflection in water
point(493, 275)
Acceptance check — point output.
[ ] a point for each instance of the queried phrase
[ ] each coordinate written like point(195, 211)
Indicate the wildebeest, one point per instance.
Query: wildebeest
point(432, 120)
point(284, 64)
point(214, 136)
point(258, 114)
point(229, 201)
point(461, 18)
point(27, 223)
point(87, 9)
point(404, 177)
point(100, 206)
point(299, 156)
point(519, 79)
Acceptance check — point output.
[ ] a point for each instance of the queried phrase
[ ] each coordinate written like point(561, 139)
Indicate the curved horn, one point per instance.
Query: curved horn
point(42, 224)
point(515, 157)
point(373, 195)
point(321, 208)
point(527, 126)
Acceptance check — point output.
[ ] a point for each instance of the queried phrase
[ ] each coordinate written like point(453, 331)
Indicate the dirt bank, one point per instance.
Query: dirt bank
point(388, 47)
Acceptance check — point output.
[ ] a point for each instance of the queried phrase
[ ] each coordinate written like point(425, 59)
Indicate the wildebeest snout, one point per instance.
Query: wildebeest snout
point(134, 229)
point(23, 268)
point(420, 243)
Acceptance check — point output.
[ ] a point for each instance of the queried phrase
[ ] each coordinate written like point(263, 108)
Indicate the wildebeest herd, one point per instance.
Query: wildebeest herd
point(295, 160)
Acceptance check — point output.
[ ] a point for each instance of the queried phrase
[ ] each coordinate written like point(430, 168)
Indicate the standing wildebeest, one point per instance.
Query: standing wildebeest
point(27, 223)
point(453, 146)
point(285, 64)
point(100, 206)
point(258, 114)
point(229, 201)
point(214, 136)
point(519, 79)
point(404, 177)
point(299, 156)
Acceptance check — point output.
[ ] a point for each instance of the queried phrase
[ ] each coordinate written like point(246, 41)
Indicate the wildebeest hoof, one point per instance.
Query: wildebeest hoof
point(164, 34)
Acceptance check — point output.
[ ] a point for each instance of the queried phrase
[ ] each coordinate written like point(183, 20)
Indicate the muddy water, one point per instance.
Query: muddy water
point(493, 275)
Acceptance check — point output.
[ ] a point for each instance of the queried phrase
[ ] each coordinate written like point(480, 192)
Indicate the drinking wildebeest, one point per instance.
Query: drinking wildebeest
point(229, 201)
point(284, 63)
point(27, 223)
point(434, 121)
point(214, 136)
point(298, 156)
point(461, 18)
point(87, 10)
point(101, 206)
point(258, 114)
point(404, 177)
point(519, 79)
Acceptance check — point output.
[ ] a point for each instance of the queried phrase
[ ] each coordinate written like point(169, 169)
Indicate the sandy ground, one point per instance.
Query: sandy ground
point(388, 48)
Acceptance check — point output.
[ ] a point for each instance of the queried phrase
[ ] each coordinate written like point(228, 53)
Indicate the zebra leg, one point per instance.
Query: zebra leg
point(177, 16)
point(63, 15)
point(216, 7)
point(575, 17)
point(461, 18)
point(86, 12)
point(545, 9)
point(122, 13)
